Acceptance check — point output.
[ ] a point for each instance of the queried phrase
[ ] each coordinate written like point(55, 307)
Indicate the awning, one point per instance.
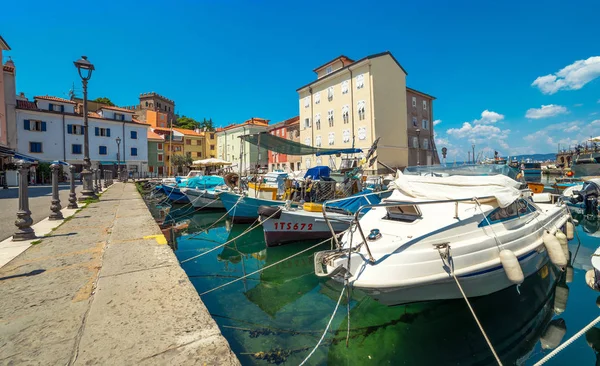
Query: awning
point(284, 146)
point(210, 162)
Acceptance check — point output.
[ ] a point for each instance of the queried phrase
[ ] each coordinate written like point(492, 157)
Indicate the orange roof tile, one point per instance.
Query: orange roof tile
point(94, 114)
point(187, 132)
point(55, 99)
point(154, 136)
point(117, 109)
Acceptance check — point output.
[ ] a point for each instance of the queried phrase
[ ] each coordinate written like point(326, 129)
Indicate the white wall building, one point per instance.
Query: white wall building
point(49, 130)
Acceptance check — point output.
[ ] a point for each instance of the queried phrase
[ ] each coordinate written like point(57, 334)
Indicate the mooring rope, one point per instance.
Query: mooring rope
point(193, 211)
point(568, 342)
point(326, 328)
point(231, 240)
point(218, 220)
point(263, 268)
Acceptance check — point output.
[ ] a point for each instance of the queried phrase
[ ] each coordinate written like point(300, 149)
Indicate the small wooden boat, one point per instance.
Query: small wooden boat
point(536, 187)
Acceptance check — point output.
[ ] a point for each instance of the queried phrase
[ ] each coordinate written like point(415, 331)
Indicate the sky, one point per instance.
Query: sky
point(518, 77)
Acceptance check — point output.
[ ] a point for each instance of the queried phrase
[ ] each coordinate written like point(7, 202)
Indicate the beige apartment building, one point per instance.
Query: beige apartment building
point(353, 102)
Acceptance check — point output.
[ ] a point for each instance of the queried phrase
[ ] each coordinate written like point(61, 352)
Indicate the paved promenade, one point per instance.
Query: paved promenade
point(104, 288)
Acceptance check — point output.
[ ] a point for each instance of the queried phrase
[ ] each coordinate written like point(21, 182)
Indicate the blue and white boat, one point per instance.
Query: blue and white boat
point(244, 209)
point(203, 192)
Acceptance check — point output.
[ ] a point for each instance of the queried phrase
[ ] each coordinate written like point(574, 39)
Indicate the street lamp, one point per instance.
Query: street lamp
point(473, 146)
point(118, 159)
point(418, 146)
point(85, 68)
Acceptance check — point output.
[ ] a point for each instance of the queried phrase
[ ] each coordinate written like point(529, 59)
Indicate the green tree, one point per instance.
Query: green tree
point(104, 100)
point(207, 124)
point(180, 161)
point(187, 123)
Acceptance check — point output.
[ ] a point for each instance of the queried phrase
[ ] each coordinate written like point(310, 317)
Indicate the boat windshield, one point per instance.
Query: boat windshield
point(469, 170)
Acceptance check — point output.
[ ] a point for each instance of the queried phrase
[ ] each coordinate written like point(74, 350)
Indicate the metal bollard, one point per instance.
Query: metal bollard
point(55, 206)
point(72, 196)
point(24, 221)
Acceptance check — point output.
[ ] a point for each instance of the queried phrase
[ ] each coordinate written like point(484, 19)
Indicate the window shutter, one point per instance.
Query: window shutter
point(108, 132)
point(62, 108)
point(70, 129)
point(27, 125)
point(43, 126)
point(97, 131)
point(50, 106)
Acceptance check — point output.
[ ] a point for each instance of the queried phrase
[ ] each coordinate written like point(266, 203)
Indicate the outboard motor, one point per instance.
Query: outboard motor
point(588, 195)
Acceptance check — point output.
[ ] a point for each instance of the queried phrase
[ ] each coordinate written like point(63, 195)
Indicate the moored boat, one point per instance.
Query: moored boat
point(203, 198)
point(242, 208)
point(480, 225)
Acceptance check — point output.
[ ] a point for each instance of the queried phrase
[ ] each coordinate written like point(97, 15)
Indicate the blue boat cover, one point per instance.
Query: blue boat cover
point(353, 203)
point(205, 181)
point(318, 172)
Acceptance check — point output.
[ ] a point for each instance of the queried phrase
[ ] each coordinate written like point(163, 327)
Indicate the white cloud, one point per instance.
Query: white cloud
point(488, 117)
point(545, 112)
point(578, 105)
point(598, 101)
point(571, 129)
point(437, 122)
point(595, 122)
point(478, 132)
point(571, 77)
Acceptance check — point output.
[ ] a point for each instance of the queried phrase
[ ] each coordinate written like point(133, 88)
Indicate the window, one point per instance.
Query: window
point(306, 102)
point(414, 119)
point(198, 154)
point(105, 132)
point(75, 129)
point(76, 149)
point(307, 141)
point(328, 70)
point(119, 117)
point(426, 144)
point(361, 110)
point(56, 107)
point(362, 133)
point(318, 161)
point(406, 213)
point(189, 154)
point(318, 98)
point(346, 136)
point(133, 134)
point(345, 113)
point(331, 139)
point(306, 122)
point(425, 124)
point(424, 104)
point(360, 81)
point(330, 117)
point(212, 136)
point(415, 142)
point(212, 147)
point(318, 141)
point(330, 93)
point(102, 150)
point(134, 151)
point(159, 146)
point(199, 142)
point(33, 125)
point(345, 87)
point(318, 121)
point(160, 157)
point(35, 147)
point(188, 141)
point(414, 102)
point(517, 208)
point(146, 103)
point(307, 163)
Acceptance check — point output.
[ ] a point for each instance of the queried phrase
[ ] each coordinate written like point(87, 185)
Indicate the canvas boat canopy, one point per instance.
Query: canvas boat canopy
point(210, 162)
point(284, 146)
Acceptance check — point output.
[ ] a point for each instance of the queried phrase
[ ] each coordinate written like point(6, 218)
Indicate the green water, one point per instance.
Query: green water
point(278, 315)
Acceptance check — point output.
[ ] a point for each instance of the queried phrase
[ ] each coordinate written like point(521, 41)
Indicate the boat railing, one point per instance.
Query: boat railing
point(389, 203)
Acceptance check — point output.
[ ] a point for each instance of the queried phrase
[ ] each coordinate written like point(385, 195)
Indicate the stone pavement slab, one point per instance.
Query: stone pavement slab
point(103, 289)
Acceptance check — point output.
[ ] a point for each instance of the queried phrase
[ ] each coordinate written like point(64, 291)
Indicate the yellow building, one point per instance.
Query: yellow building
point(210, 144)
point(193, 143)
point(351, 104)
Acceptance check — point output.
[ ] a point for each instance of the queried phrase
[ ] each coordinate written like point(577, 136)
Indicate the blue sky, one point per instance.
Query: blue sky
point(231, 60)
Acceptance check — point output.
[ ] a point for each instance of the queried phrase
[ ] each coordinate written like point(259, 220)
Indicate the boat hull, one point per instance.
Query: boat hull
point(174, 194)
point(299, 225)
point(245, 209)
point(203, 199)
point(586, 170)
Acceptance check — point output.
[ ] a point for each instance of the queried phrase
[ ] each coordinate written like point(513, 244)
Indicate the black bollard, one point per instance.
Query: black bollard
point(24, 221)
point(72, 197)
point(55, 206)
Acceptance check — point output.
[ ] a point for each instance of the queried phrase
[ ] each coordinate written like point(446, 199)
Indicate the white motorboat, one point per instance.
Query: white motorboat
point(203, 198)
point(181, 179)
point(476, 223)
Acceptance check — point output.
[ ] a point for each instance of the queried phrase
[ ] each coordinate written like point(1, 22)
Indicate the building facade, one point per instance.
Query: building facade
point(243, 156)
point(288, 129)
point(210, 144)
point(421, 143)
point(3, 113)
point(49, 129)
point(156, 153)
point(173, 146)
point(193, 143)
point(351, 104)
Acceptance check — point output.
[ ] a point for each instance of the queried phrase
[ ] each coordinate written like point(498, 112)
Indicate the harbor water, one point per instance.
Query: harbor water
point(277, 316)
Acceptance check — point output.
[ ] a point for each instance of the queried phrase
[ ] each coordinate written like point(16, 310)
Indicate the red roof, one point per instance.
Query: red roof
point(54, 99)
point(154, 136)
point(25, 104)
point(188, 132)
point(117, 109)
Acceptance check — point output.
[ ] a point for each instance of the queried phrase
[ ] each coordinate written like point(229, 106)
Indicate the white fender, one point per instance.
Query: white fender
point(570, 230)
point(564, 243)
point(555, 252)
point(561, 294)
point(511, 265)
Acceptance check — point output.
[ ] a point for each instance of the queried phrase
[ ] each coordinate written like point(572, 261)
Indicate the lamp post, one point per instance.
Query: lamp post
point(118, 159)
point(418, 147)
point(85, 68)
point(473, 146)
